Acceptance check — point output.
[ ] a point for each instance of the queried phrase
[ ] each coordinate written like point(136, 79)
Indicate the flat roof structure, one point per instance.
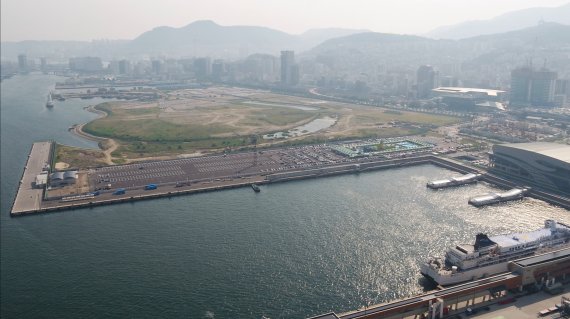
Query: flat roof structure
point(557, 151)
point(548, 257)
point(41, 180)
point(467, 91)
point(467, 98)
point(516, 239)
point(540, 164)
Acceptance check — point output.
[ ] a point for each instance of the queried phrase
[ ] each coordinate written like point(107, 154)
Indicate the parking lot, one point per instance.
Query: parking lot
point(217, 167)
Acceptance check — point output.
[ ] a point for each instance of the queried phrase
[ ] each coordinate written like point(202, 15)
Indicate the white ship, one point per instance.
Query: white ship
point(454, 181)
point(49, 102)
point(493, 198)
point(491, 255)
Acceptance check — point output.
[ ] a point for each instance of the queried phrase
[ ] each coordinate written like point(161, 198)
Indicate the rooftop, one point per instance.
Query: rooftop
point(460, 90)
point(520, 238)
point(555, 255)
point(558, 151)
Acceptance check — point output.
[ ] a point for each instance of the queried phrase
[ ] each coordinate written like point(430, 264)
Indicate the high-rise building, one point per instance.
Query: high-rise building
point(427, 80)
point(530, 87)
point(43, 64)
point(23, 63)
point(562, 87)
point(86, 64)
point(289, 70)
point(521, 83)
point(543, 85)
point(156, 67)
point(124, 67)
point(218, 69)
point(202, 68)
point(295, 75)
point(562, 93)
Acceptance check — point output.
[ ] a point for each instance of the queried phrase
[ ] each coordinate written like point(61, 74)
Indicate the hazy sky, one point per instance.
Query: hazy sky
point(126, 19)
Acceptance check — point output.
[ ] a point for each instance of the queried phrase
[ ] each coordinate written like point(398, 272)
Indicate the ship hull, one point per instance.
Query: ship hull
point(462, 276)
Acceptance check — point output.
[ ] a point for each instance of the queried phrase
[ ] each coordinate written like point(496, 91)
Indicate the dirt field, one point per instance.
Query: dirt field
point(217, 118)
point(67, 157)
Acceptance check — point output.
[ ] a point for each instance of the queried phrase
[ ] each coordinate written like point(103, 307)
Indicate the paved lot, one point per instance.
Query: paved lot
point(29, 198)
point(230, 166)
point(185, 173)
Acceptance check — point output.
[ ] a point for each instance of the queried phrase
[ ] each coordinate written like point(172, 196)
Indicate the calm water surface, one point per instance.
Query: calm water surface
point(294, 250)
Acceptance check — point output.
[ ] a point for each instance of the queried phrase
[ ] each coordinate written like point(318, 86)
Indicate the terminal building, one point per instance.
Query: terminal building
point(542, 165)
point(470, 98)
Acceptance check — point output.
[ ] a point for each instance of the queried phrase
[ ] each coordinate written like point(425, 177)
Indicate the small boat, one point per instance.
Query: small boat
point(49, 102)
point(255, 188)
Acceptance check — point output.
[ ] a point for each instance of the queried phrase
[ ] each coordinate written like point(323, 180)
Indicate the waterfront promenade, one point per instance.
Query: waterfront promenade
point(28, 197)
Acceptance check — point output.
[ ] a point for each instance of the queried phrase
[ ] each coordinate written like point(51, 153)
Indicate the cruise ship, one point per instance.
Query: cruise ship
point(491, 255)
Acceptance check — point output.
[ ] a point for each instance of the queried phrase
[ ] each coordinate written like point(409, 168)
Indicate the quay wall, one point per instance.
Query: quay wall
point(125, 199)
point(305, 174)
point(21, 180)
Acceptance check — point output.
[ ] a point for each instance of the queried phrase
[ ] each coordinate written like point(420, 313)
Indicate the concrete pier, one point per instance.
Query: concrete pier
point(28, 197)
point(30, 200)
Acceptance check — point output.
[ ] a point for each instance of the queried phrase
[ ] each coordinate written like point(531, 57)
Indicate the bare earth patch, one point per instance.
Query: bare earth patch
point(61, 166)
point(218, 118)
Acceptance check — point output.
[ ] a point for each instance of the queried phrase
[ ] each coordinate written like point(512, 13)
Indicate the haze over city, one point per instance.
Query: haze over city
point(126, 19)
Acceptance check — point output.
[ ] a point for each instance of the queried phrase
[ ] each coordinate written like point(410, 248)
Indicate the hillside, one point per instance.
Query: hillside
point(504, 23)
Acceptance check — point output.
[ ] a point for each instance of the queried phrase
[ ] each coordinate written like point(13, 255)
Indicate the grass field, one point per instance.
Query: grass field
point(77, 158)
point(203, 120)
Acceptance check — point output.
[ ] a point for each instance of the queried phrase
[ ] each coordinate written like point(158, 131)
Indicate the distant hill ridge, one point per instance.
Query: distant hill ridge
point(510, 21)
point(358, 52)
point(206, 37)
point(542, 33)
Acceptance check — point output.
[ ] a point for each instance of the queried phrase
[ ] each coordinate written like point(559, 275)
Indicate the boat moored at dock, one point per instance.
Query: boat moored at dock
point(491, 255)
point(454, 181)
point(493, 198)
point(255, 188)
point(49, 103)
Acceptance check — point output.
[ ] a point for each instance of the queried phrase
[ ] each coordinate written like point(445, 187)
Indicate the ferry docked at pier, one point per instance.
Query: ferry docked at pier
point(493, 198)
point(454, 181)
point(491, 255)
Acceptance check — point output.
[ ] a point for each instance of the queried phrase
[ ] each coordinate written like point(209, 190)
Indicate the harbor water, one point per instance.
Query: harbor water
point(294, 250)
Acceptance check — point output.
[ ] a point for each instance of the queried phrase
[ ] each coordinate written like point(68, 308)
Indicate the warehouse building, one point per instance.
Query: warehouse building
point(63, 178)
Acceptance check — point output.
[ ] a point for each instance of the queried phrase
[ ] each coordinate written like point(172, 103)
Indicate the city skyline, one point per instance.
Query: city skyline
point(106, 20)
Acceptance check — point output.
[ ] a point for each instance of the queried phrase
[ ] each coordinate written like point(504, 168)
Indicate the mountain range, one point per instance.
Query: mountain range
point(206, 38)
point(200, 38)
point(510, 21)
point(362, 53)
